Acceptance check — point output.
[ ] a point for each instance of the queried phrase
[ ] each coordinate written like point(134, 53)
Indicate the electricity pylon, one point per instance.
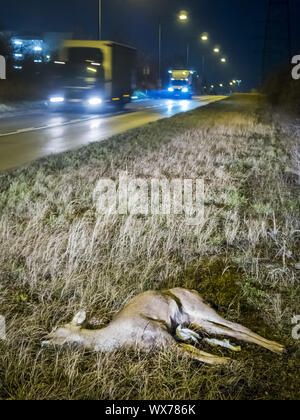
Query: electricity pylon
point(277, 42)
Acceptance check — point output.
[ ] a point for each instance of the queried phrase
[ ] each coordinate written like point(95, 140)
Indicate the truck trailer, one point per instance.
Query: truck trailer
point(91, 74)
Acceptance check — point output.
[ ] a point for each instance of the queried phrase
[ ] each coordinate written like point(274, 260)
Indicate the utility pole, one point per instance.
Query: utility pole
point(159, 55)
point(277, 43)
point(182, 17)
point(187, 55)
point(100, 19)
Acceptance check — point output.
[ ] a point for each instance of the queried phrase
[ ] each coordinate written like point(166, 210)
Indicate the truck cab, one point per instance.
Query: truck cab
point(181, 84)
point(91, 74)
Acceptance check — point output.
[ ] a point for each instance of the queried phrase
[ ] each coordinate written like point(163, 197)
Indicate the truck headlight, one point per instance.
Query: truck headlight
point(171, 89)
point(95, 101)
point(56, 99)
point(185, 90)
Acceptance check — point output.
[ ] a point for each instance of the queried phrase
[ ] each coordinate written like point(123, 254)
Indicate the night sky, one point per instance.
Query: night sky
point(236, 25)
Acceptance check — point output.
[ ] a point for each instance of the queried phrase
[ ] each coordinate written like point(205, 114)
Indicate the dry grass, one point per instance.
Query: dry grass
point(58, 256)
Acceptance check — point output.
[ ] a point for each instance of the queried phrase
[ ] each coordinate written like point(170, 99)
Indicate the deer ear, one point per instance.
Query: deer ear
point(79, 318)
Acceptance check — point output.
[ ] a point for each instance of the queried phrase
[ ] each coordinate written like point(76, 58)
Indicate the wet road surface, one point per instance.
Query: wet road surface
point(32, 135)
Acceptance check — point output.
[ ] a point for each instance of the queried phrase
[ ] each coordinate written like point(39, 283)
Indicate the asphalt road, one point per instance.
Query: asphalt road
point(31, 135)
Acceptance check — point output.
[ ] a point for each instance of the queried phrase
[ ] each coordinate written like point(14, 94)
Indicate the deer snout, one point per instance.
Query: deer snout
point(63, 336)
point(68, 334)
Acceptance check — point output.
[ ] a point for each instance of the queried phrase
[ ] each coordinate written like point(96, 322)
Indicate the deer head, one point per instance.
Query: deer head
point(69, 333)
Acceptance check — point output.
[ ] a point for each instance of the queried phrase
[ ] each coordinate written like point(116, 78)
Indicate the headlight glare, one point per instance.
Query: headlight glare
point(95, 101)
point(56, 99)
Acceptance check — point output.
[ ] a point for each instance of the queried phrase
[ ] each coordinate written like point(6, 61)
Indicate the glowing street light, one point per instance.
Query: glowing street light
point(204, 37)
point(223, 60)
point(221, 84)
point(216, 50)
point(183, 16)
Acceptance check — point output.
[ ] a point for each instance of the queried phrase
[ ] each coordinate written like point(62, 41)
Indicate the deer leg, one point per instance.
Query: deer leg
point(207, 320)
point(201, 356)
point(227, 328)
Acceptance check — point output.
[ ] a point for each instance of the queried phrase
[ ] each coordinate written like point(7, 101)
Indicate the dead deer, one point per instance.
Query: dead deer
point(150, 321)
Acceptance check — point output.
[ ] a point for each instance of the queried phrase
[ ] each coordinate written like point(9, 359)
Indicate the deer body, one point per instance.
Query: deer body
point(149, 321)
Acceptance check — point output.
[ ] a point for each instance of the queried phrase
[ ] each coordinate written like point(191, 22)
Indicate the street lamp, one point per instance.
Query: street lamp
point(223, 60)
point(183, 16)
point(216, 50)
point(204, 37)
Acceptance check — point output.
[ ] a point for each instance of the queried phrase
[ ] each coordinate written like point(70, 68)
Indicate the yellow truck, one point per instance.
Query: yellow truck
point(91, 74)
point(181, 83)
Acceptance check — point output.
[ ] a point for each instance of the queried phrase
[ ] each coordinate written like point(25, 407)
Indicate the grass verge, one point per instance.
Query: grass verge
point(58, 256)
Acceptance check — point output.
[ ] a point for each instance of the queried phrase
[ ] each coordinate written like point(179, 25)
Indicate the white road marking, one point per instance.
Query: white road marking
point(44, 127)
point(79, 120)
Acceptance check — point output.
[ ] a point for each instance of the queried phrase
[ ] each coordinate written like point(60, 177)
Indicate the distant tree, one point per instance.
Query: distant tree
point(282, 90)
point(5, 46)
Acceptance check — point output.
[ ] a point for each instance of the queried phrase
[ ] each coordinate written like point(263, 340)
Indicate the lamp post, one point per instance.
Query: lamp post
point(182, 17)
point(159, 54)
point(187, 55)
point(100, 20)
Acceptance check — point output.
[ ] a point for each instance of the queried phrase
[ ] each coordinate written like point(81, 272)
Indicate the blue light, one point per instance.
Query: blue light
point(185, 90)
point(18, 42)
point(38, 48)
point(171, 89)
